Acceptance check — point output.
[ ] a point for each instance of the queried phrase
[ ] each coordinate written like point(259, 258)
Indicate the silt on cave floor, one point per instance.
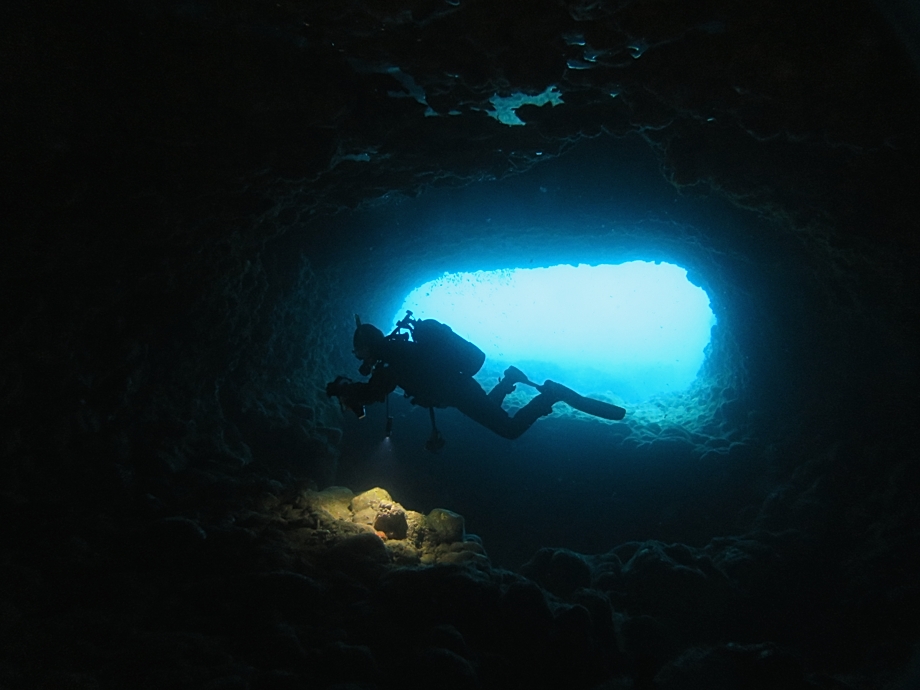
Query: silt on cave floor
point(198, 197)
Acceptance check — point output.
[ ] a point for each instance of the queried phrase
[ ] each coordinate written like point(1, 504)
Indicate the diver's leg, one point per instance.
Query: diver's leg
point(505, 385)
point(540, 406)
point(480, 408)
point(502, 388)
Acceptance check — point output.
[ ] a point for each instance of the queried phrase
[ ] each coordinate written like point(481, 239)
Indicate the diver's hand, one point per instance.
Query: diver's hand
point(340, 389)
point(337, 388)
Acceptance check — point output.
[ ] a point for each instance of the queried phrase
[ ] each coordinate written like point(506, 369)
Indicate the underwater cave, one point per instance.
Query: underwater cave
point(201, 197)
point(638, 327)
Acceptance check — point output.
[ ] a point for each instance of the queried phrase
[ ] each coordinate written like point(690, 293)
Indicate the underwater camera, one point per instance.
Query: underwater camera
point(339, 389)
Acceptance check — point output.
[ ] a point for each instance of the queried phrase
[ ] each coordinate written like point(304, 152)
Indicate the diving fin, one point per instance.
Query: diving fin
point(591, 406)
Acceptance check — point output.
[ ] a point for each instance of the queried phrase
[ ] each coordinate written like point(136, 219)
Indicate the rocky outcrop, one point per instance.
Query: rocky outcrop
point(197, 196)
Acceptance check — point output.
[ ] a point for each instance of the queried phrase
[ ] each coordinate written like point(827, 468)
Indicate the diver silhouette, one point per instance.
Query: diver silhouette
point(435, 369)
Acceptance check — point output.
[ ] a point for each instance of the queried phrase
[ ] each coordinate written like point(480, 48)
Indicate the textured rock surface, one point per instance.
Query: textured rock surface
point(196, 197)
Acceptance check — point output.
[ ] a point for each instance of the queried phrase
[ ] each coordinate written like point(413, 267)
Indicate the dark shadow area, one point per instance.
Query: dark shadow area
point(197, 198)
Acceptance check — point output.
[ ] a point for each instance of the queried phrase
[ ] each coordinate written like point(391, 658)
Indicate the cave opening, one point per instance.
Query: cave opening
point(632, 330)
point(198, 197)
point(568, 211)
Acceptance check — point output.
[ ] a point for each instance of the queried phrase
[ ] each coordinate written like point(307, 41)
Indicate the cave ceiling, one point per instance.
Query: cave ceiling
point(348, 101)
point(156, 150)
point(193, 200)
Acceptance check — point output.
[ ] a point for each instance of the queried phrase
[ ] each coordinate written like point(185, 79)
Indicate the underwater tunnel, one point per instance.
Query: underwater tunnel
point(198, 197)
point(638, 328)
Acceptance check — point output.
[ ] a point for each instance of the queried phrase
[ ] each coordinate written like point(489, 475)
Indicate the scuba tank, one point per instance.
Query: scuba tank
point(453, 351)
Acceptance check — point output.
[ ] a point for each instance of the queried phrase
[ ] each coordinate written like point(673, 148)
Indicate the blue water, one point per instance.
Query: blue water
point(634, 329)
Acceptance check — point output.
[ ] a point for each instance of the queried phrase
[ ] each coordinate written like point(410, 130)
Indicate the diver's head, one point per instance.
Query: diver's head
point(367, 340)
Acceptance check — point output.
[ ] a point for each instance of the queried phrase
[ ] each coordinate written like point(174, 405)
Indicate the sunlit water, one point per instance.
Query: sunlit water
point(633, 329)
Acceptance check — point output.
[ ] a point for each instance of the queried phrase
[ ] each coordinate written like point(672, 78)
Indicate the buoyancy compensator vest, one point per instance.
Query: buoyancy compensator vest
point(453, 352)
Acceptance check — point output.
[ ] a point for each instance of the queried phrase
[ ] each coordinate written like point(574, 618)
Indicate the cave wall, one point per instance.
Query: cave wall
point(179, 178)
point(186, 184)
point(196, 197)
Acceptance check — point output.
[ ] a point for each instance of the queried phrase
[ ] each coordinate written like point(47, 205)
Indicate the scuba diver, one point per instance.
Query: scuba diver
point(435, 369)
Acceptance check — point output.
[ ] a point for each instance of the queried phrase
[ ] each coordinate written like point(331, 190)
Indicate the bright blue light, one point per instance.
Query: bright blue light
point(634, 329)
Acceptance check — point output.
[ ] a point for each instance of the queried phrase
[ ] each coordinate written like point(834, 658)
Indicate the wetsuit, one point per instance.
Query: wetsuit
point(417, 371)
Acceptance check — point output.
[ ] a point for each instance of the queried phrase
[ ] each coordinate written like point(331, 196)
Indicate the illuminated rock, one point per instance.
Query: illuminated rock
point(335, 500)
point(392, 522)
point(445, 526)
